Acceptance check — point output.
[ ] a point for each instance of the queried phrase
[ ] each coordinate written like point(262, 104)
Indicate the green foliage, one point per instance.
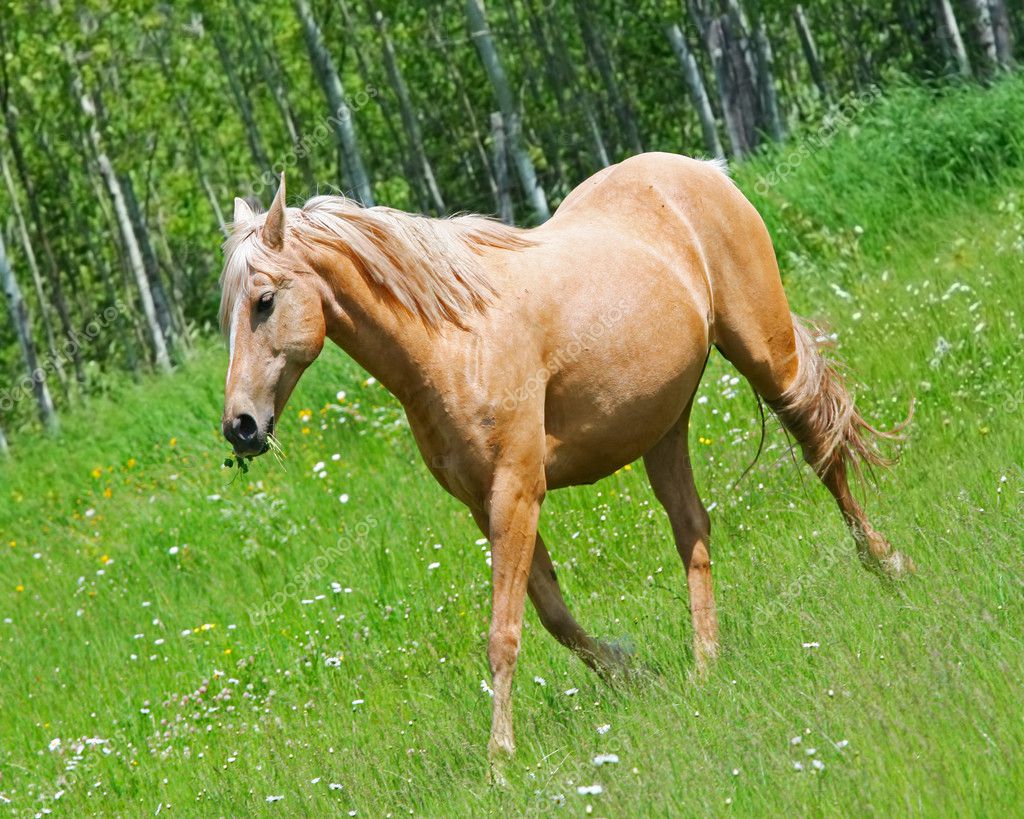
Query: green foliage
point(169, 117)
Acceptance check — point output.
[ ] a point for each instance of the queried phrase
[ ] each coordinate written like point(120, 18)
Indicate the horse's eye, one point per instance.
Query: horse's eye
point(265, 303)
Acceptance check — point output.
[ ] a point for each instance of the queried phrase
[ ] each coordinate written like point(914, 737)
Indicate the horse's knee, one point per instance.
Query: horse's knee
point(502, 649)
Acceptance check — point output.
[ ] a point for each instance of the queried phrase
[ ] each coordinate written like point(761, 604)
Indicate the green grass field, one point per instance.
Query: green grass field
point(310, 637)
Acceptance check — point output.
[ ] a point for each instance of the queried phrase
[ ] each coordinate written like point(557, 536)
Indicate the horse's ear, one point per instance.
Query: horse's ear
point(243, 213)
point(273, 228)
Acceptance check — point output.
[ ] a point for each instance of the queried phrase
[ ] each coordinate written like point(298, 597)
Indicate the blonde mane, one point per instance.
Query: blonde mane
point(429, 266)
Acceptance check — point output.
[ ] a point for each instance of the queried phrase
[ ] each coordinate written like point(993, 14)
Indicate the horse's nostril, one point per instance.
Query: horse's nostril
point(246, 427)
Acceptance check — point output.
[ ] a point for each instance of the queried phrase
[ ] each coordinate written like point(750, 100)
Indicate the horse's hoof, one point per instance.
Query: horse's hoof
point(615, 658)
point(897, 566)
point(496, 776)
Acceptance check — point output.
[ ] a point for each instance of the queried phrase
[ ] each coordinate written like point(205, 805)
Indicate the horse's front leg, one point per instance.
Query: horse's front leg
point(513, 509)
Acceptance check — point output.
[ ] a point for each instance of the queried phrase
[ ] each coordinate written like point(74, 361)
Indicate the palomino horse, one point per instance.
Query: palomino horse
point(529, 360)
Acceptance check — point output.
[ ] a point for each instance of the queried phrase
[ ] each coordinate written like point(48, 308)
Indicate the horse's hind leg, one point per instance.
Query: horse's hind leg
point(671, 476)
point(546, 596)
point(781, 359)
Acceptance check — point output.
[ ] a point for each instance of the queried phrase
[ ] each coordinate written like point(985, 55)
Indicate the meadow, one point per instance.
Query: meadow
point(309, 637)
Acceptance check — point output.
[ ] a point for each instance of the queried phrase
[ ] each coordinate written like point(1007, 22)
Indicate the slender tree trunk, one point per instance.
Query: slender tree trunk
point(25, 178)
point(600, 150)
point(766, 82)
point(949, 32)
point(161, 303)
point(481, 35)
point(124, 222)
point(238, 91)
point(599, 54)
point(37, 279)
point(91, 110)
point(5, 450)
point(984, 36)
point(1003, 33)
point(563, 77)
point(138, 266)
point(52, 269)
point(810, 50)
point(712, 30)
point(341, 114)
point(469, 113)
point(409, 169)
point(276, 80)
point(23, 327)
point(190, 135)
point(500, 150)
point(410, 121)
point(698, 93)
point(125, 325)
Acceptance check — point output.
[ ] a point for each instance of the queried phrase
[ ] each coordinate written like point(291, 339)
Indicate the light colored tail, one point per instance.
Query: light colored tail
point(819, 411)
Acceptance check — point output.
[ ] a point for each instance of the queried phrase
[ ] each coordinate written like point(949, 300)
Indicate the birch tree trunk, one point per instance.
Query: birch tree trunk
point(124, 222)
point(136, 263)
point(766, 82)
point(241, 95)
point(599, 54)
point(366, 75)
point(37, 279)
point(190, 134)
point(481, 36)
point(410, 121)
point(712, 31)
point(500, 150)
point(341, 114)
point(23, 328)
point(164, 314)
point(810, 50)
point(698, 93)
point(276, 80)
point(5, 450)
point(984, 36)
point(452, 69)
point(1003, 32)
point(52, 269)
point(563, 78)
point(949, 33)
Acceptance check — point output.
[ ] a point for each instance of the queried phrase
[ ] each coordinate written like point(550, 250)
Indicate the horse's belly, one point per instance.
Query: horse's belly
point(606, 413)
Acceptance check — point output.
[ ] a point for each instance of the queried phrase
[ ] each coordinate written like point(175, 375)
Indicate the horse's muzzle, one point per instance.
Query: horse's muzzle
point(245, 434)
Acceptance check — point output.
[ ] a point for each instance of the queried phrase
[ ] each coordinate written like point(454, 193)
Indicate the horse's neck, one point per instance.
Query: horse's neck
point(391, 345)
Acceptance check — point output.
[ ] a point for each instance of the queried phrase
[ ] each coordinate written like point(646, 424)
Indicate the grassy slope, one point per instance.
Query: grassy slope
point(922, 680)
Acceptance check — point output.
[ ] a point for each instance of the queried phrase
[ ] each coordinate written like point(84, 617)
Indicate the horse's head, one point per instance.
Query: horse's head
point(272, 311)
